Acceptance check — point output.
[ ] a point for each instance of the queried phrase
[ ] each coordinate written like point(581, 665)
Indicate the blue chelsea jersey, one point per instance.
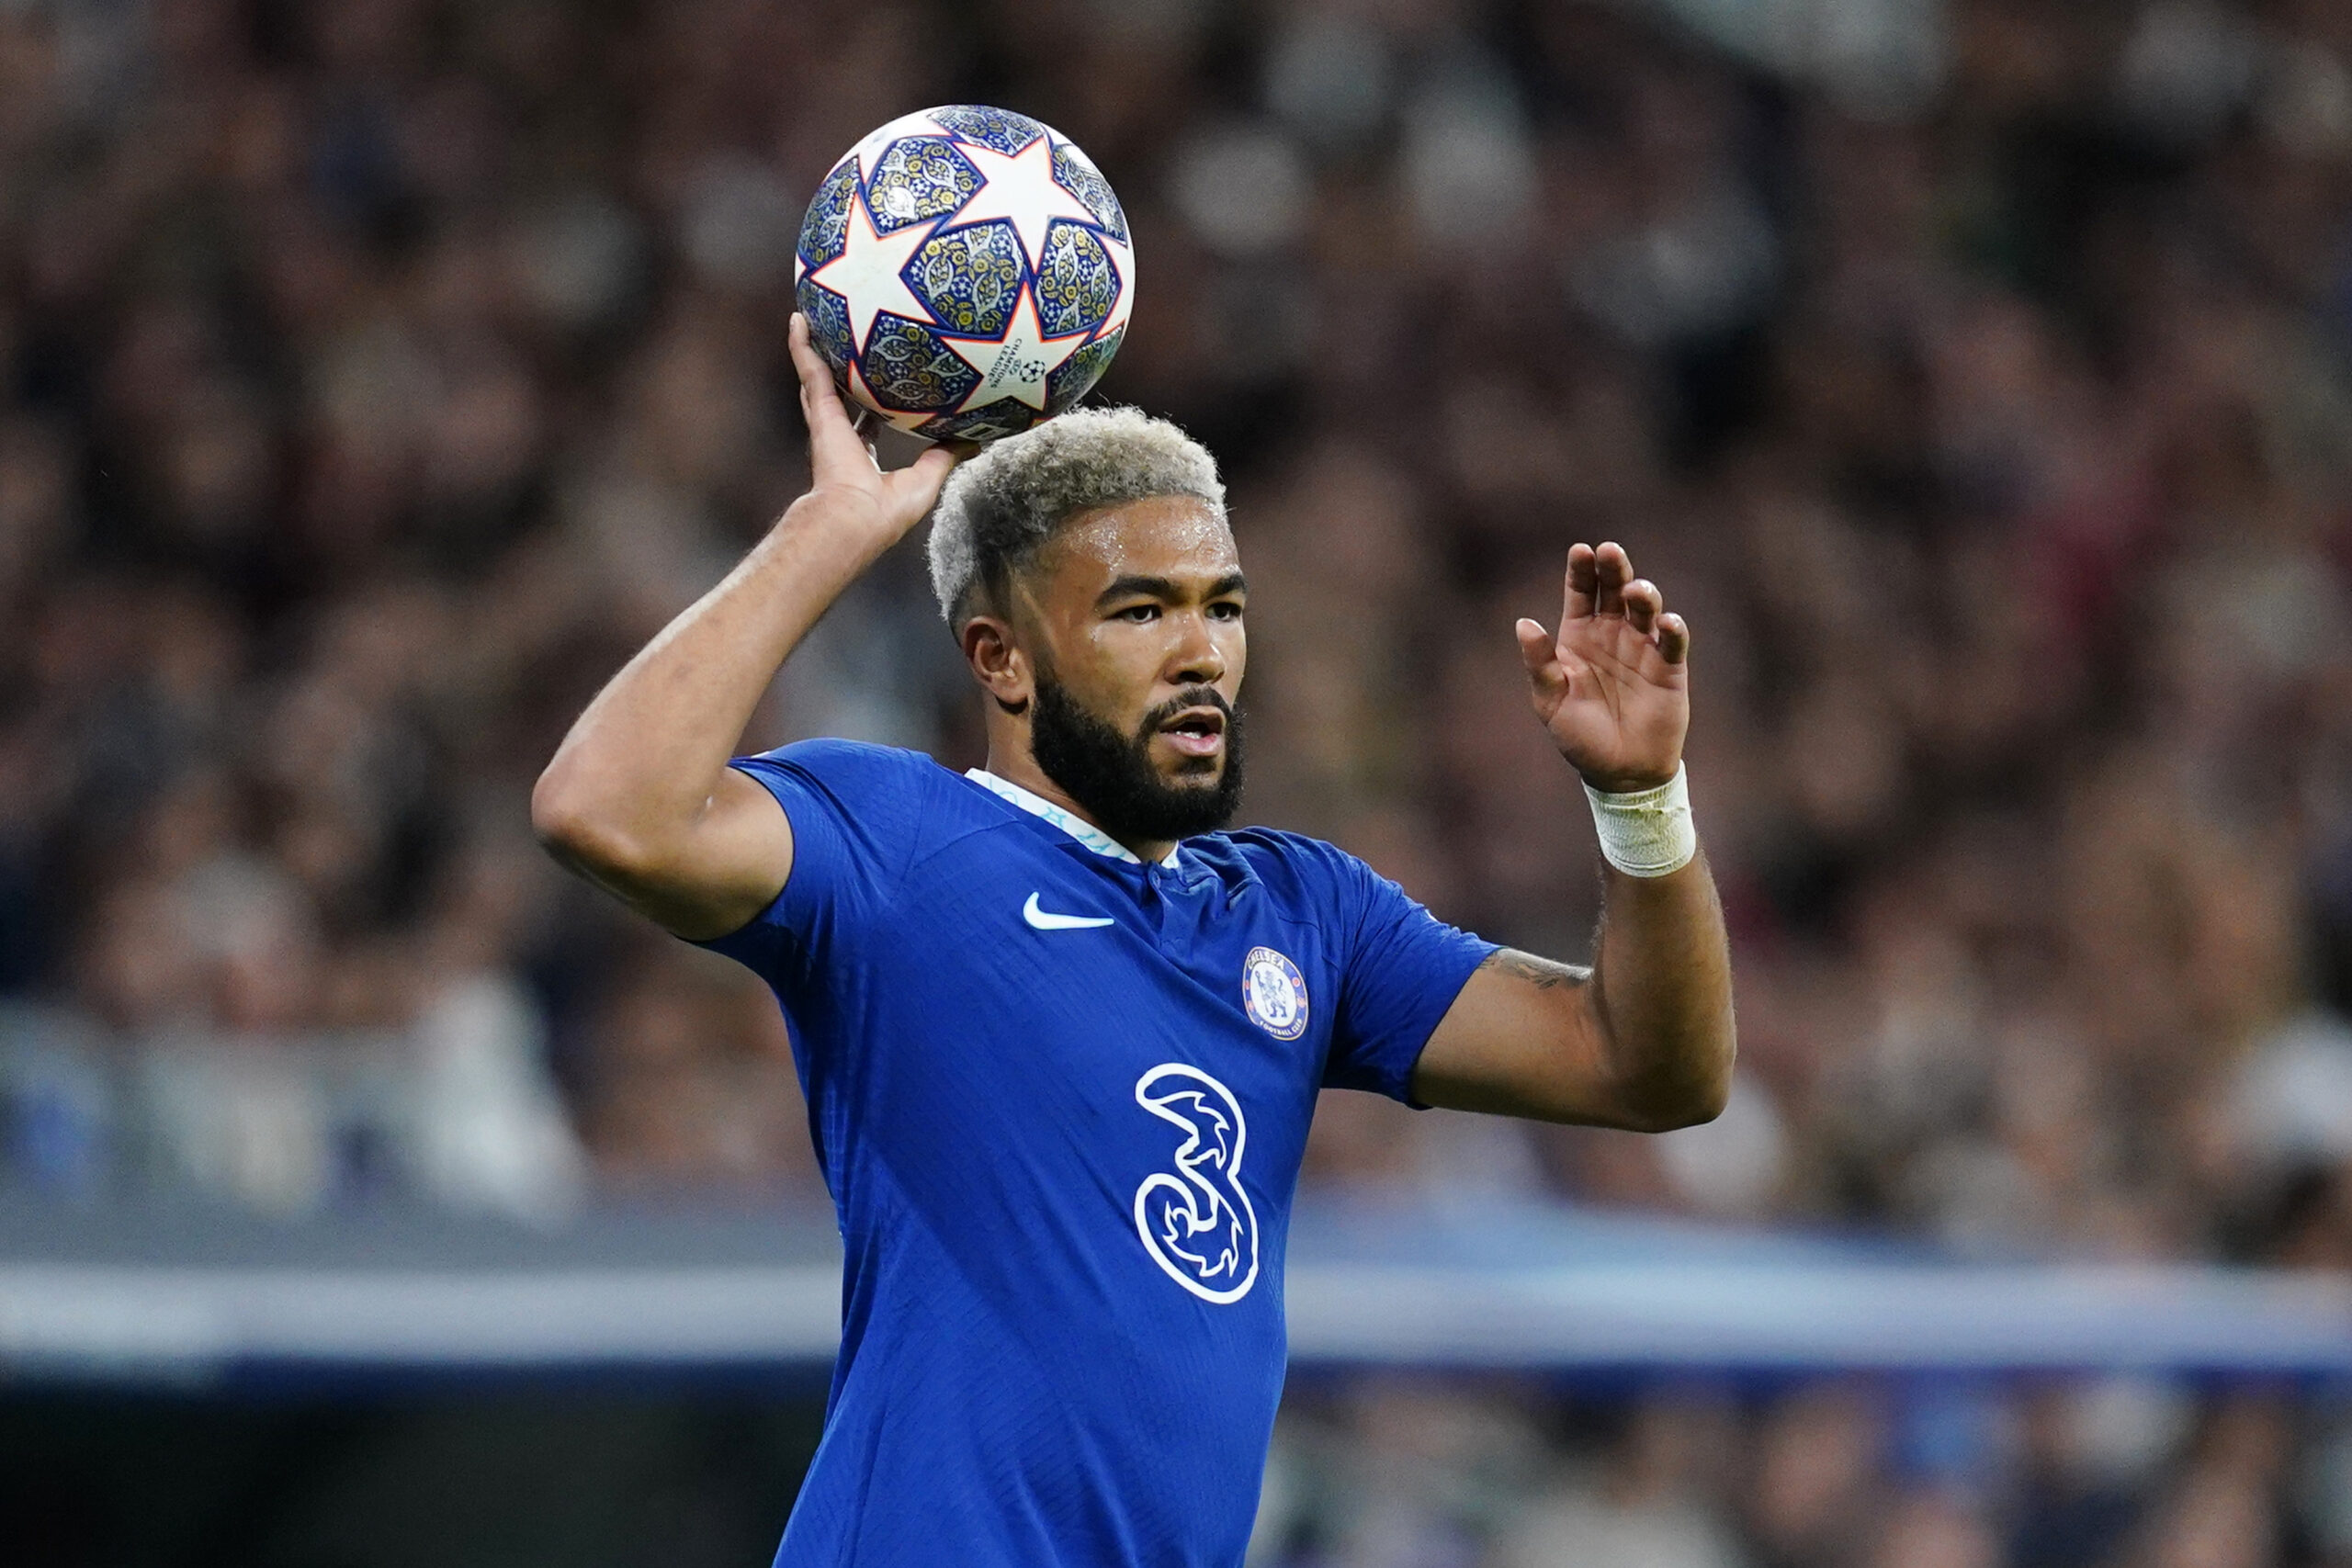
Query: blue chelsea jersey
point(1060, 1097)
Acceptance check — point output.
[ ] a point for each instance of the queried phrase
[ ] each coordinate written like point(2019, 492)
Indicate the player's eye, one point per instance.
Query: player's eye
point(1139, 614)
point(1225, 610)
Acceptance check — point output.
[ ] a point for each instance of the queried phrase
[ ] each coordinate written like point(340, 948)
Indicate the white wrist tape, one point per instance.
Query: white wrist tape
point(1648, 832)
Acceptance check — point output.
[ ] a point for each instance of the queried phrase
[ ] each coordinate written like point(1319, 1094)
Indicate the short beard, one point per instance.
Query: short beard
point(1112, 777)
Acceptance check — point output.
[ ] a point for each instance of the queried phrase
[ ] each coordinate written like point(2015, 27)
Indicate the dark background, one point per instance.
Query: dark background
point(520, 1475)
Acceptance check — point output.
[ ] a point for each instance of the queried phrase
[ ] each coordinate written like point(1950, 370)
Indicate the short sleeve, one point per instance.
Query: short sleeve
point(1404, 967)
point(855, 810)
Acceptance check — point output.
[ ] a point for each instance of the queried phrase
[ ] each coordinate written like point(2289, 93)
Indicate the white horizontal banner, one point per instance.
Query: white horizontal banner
point(135, 1318)
point(185, 1321)
point(1888, 1315)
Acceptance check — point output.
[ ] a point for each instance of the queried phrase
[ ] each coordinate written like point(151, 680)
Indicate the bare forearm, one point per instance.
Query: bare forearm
point(638, 796)
point(643, 762)
point(1642, 1041)
point(1662, 989)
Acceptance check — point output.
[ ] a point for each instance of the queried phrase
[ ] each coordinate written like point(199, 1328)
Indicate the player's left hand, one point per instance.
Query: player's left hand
point(1614, 687)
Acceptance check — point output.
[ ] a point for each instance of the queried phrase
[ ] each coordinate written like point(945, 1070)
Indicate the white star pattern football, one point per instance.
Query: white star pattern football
point(967, 270)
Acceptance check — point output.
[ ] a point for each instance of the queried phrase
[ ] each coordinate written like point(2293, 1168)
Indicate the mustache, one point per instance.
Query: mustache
point(1190, 698)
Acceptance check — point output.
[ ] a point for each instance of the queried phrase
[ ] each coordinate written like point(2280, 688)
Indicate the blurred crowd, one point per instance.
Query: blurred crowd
point(376, 376)
point(1406, 1473)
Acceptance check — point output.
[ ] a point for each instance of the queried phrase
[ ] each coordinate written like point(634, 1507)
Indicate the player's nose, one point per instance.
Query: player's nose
point(1195, 659)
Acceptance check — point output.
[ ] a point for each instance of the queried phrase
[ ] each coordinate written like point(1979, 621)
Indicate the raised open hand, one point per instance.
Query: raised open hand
point(842, 472)
point(1614, 687)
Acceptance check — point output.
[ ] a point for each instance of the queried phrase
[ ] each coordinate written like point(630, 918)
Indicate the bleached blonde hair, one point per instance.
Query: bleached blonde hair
point(998, 508)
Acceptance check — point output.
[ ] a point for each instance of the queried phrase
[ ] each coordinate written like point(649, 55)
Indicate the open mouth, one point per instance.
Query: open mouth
point(1196, 732)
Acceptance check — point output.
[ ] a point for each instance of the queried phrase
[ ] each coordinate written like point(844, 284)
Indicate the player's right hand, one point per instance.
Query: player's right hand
point(844, 479)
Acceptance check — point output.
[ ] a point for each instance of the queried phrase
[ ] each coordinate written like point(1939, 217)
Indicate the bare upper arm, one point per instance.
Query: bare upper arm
point(709, 880)
point(1522, 1039)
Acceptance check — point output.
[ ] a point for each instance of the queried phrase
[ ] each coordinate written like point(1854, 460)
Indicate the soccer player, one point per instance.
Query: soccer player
point(1061, 1035)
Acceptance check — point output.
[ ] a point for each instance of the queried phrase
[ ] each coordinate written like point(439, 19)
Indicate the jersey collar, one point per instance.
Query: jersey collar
point(1086, 833)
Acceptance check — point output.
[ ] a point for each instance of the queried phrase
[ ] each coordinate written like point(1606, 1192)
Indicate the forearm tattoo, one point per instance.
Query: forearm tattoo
point(1541, 973)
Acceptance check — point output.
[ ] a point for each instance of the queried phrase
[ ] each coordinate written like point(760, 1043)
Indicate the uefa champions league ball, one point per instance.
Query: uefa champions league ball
point(967, 272)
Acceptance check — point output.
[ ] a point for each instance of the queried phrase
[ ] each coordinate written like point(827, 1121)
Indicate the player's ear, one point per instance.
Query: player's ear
point(998, 662)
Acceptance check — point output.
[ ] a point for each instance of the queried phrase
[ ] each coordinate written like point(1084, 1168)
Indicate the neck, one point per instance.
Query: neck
point(1014, 764)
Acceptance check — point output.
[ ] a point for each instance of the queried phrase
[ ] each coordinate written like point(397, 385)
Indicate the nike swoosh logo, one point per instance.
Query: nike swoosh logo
point(1045, 921)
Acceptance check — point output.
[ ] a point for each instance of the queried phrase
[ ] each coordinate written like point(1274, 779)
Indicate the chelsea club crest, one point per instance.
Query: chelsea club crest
point(1273, 993)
